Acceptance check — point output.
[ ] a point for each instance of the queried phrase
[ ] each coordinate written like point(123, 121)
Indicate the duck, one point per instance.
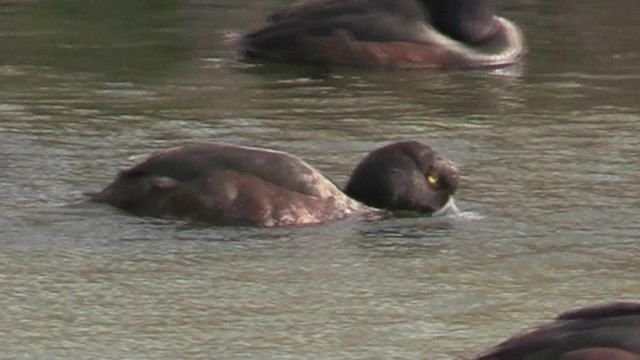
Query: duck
point(234, 185)
point(386, 34)
point(600, 332)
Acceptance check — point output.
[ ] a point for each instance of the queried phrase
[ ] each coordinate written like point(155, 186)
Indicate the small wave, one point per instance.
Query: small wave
point(467, 216)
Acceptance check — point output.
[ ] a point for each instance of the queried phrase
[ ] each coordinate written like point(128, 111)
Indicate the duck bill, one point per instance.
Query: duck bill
point(448, 209)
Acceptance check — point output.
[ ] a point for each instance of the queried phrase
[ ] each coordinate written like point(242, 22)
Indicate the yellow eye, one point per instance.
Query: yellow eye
point(432, 180)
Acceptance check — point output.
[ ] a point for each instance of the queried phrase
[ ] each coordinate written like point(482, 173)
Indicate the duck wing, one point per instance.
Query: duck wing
point(364, 20)
point(371, 37)
point(191, 162)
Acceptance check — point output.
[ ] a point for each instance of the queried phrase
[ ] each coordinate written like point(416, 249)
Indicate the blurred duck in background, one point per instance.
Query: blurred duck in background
point(387, 34)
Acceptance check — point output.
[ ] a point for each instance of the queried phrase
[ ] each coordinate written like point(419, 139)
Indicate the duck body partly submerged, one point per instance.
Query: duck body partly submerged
point(236, 185)
point(606, 332)
point(395, 34)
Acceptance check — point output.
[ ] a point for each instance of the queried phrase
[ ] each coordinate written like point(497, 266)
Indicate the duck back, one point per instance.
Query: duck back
point(228, 185)
point(607, 332)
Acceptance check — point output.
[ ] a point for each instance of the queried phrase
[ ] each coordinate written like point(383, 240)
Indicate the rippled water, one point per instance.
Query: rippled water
point(549, 153)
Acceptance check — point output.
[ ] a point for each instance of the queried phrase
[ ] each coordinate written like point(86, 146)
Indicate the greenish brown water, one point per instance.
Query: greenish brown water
point(549, 153)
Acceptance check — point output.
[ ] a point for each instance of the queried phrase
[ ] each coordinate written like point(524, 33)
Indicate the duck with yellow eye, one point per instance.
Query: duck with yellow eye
point(226, 184)
point(424, 183)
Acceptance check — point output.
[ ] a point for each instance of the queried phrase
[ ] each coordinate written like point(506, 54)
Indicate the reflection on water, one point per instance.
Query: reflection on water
point(117, 38)
point(548, 153)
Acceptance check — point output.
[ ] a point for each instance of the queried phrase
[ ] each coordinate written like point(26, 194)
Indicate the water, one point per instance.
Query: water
point(549, 155)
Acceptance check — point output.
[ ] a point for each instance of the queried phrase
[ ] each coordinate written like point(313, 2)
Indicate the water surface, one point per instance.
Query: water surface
point(548, 150)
